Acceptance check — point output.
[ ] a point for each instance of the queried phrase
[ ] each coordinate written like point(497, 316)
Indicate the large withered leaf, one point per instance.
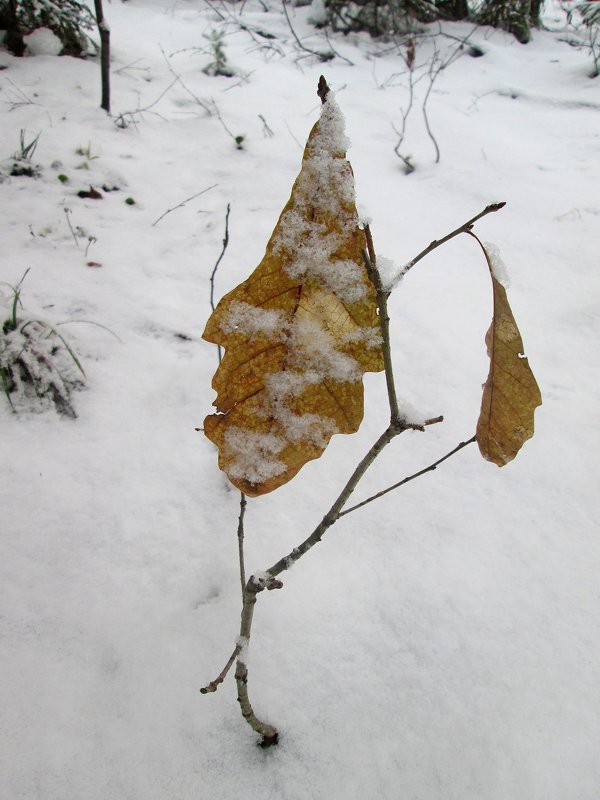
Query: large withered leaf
point(511, 393)
point(299, 333)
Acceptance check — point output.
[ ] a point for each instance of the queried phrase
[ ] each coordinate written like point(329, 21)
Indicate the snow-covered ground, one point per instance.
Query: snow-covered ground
point(440, 644)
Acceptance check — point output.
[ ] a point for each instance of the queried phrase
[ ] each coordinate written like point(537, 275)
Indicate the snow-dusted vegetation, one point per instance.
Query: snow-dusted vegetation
point(441, 642)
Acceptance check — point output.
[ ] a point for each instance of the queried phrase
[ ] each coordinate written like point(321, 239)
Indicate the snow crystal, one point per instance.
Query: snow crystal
point(313, 348)
point(342, 277)
point(309, 428)
point(292, 558)
point(323, 194)
point(254, 454)
point(498, 266)
point(331, 135)
point(331, 173)
point(388, 272)
point(261, 576)
point(244, 644)
point(313, 248)
point(411, 414)
point(251, 319)
point(313, 358)
point(296, 229)
point(371, 337)
point(288, 383)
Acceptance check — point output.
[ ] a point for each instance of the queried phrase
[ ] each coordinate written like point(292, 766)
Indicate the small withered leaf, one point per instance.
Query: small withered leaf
point(510, 393)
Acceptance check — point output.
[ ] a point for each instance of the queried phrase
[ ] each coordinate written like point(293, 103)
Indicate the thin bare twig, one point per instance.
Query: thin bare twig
point(433, 68)
point(437, 242)
point(337, 52)
point(418, 474)
point(267, 130)
point(291, 133)
point(73, 234)
point(154, 102)
point(183, 202)
point(214, 685)
point(215, 10)
point(436, 66)
point(269, 733)
point(409, 166)
point(251, 30)
point(384, 321)
point(216, 111)
point(241, 81)
point(321, 55)
point(433, 421)
point(240, 535)
point(433, 76)
point(333, 514)
point(255, 585)
point(202, 103)
point(120, 118)
point(216, 267)
point(91, 241)
point(131, 65)
point(22, 98)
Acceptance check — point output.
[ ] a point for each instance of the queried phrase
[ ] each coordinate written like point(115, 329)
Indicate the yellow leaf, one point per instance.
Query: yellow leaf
point(511, 393)
point(300, 332)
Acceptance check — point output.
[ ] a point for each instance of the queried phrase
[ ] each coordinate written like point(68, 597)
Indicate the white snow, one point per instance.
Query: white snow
point(441, 643)
point(324, 189)
point(370, 336)
point(498, 267)
point(313, 349)
point(253, 455)
point(244, 644)
point(250, 320)
point(388, 272)
point(310, 428)
point(42, 42)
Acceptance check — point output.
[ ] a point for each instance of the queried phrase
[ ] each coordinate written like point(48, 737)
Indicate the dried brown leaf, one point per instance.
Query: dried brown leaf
point(511, 393)
point(299, 333)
